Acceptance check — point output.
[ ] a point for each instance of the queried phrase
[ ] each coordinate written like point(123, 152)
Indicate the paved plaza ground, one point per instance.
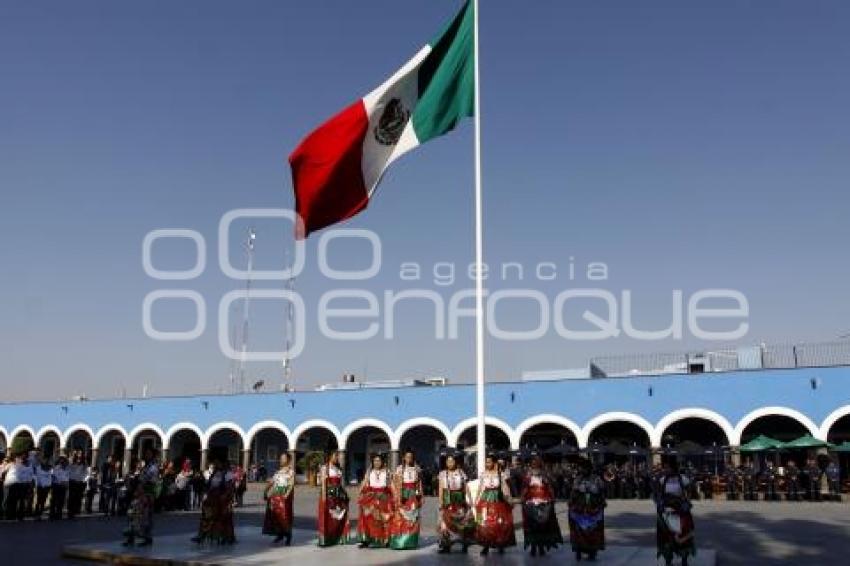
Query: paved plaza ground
point(740, 533)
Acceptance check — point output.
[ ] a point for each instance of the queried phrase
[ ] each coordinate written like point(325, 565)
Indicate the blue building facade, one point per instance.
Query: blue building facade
point(816, 399)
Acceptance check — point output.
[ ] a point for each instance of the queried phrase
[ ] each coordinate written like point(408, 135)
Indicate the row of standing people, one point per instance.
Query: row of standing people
point(33, 485)
point(390, 505)
point(483, 515)
point(816, 481)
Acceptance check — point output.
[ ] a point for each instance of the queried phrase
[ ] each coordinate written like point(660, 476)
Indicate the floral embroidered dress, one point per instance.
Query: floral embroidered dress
point(675, 524)
point(217, 509)
point(406, 524)
point(377, 507)
point(333, 508)
point(456, 521)
point(140, 511)
point(494, 516)
point(587, 515)
point(280, 495)
point(539, 523)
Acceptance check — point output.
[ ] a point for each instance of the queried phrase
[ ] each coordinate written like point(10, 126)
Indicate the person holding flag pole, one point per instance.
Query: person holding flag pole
point(336, 168)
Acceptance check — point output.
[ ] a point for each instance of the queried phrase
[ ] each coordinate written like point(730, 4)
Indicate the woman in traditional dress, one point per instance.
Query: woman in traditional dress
point(377, 506)
point(279, 495)
point(217, 507)
point(675, 524)
point(493, 510)
point(587, 512)
point(539, 523)
point(405, 526)
point(333, 504)
point(140, 511)
point(456, 524)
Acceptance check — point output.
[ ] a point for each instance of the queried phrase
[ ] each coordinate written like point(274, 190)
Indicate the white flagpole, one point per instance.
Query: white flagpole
point(479, 260)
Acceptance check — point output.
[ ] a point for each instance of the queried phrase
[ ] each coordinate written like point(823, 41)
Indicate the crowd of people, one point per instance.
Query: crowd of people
point(478, 512)
point(35, 485)
point(471, 512)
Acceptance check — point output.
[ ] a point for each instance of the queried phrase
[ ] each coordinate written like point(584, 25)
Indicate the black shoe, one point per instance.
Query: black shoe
point(363, 545)
point(578, 556)
point(464, 548)
point(591, 555)
point(277, 539)
point(288, 540)
point(443, 550)
point(534, 550)
point(197, 540)
point(501, 550)
point(485, 551)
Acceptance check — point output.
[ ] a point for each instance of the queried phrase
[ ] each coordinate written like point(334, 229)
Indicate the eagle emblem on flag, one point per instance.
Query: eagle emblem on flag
point(391, 123)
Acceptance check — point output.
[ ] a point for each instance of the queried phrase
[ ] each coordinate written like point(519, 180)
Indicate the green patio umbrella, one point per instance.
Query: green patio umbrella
point(806, 441)
point(843, 447)
point(760, 444)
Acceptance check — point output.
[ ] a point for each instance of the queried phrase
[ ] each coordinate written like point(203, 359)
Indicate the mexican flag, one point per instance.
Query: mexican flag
point(337, 167)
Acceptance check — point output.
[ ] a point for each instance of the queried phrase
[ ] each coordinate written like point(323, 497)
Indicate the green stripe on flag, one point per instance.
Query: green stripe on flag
point(447, 79)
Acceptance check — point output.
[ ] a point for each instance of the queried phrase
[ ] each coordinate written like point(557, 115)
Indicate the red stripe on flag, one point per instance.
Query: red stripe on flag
point(326, 171)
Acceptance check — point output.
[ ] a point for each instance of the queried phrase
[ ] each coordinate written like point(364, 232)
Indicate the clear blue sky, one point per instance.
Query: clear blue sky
point(687, 145)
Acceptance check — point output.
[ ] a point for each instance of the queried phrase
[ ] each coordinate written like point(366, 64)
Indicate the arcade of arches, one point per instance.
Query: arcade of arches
point(609, 441)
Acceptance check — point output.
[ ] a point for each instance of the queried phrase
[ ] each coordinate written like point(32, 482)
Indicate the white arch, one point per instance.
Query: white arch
point(461, 427)
point(175, 428)
point(205, 440)
point(19, 429)
point(46, 429)
point(69, 432)
point(614, 416)
point(131, 439)
point(420, 421)
point(363, 423)
point(831, 419)
point(316, 423)
point(691, 413)
point(530, 422)
point(773, 411)
point(105, 429)
point(276, 425)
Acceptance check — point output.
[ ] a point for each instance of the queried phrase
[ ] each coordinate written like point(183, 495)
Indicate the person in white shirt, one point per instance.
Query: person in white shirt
point(183, 484)
point(5, 464)
point(18, 482)
point(92, 487)
point(59, 487)
point(10, 491)
point(43, 482)
point(77, 471)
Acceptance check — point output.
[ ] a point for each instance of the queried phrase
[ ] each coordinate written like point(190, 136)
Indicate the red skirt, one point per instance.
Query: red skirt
point(376, 513)
point(333, 515)
point(495, 521)
point(278, 520)
point(405, 525)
